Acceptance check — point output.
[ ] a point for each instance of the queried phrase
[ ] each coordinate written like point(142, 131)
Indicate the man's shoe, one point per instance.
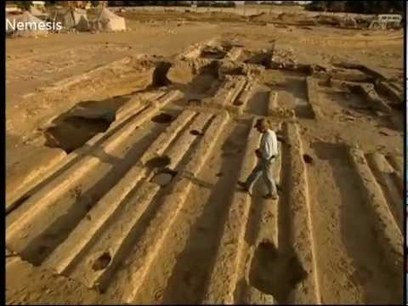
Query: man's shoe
point(242, 185)
point(245, 188)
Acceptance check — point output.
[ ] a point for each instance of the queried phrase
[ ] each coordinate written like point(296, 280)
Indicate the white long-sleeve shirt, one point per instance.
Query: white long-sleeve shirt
point(269, 144)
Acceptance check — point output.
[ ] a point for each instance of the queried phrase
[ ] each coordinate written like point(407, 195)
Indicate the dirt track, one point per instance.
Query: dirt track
point(129, 192)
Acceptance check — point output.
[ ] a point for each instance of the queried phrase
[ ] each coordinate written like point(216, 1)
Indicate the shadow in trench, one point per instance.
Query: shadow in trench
point(74, 128)
point(81, 201)
point(274, 272)
point(190, 274)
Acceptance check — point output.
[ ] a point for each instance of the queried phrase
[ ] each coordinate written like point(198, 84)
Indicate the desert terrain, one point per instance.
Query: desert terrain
point(124, 150)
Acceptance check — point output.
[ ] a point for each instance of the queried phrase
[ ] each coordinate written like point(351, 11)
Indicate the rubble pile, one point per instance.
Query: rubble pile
point(283, 58)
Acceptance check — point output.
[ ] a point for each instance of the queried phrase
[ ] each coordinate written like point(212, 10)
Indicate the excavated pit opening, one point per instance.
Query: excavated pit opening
point(308, 159)
point(196, 133)
point(159, 77)
point(73, 132)
point(102, 262)
point(72, 129)
point(164, 177)
point(158, 162)
point(163, 118)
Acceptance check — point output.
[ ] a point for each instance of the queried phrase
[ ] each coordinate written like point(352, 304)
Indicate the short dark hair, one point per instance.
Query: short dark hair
point(262, 122)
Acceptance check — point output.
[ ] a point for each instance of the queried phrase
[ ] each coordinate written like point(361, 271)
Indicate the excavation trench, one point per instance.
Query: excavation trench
point(275, 269)
point(182, 269)
point(346, 235)
point(82, 196)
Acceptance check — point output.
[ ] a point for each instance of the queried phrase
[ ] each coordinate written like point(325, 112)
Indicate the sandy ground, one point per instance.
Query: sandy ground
point(120, 192)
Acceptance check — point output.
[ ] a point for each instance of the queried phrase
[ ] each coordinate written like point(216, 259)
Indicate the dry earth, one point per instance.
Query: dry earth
point(123, 192)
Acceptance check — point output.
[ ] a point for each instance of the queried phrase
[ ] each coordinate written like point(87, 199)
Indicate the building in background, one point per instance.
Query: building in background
point(38, 4)
point(81, 4)
point(12, 8)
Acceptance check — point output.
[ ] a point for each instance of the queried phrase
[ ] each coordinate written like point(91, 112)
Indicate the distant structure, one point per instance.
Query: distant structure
point(12, 8)
point(107, 21)
point(81, 4)
point(73, 4)
point(38, 4)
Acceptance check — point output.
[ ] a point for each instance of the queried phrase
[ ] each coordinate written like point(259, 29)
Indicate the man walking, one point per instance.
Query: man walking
point(266, 153)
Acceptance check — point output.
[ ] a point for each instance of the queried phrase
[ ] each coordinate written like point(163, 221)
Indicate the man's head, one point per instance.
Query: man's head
point(262, 125)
